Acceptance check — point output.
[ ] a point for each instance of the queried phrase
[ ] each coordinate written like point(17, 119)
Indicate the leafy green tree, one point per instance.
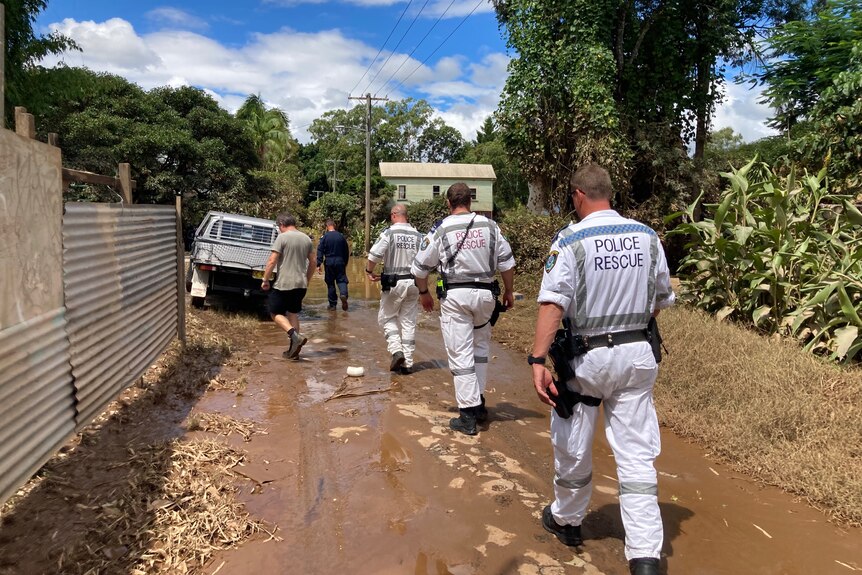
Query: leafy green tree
point(557, 109)
point(269, 129)
point(609, 80)
point(177, 140)
point(487, 132)
point(343, 208)
point(510, 189)
point(24, 48)
point(816, 76)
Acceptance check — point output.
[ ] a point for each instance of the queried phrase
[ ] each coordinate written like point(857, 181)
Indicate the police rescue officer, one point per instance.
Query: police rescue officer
point(608, 276)
point(396, 247)
point(469, 250)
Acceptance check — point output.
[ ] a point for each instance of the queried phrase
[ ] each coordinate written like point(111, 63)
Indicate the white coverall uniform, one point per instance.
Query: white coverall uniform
point(466, 310)
point(396, 247)
point(609, 273)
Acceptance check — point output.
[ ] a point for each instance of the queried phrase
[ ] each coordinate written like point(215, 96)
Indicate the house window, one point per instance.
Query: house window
point(402, 192)
point(435, 191)
point(472, 193)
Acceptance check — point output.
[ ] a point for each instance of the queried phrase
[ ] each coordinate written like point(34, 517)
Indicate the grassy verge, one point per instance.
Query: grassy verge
point(760, 404)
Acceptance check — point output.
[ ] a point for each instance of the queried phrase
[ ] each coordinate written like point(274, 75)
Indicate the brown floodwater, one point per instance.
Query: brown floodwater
point(374, 482)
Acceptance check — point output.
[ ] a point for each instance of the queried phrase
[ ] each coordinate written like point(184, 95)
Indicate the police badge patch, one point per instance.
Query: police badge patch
point(425, 243)
point(551, 261)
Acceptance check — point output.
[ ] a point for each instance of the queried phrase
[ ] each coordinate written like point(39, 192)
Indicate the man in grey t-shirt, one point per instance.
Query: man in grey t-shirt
point(293, 255)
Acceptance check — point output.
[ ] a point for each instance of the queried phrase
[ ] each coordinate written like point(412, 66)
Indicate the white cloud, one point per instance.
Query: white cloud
point(741, 111)
point(176, 17)
point(111, 46)
point(305, 74)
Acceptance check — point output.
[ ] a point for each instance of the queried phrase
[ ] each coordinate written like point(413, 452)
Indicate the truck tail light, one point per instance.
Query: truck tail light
point(206, 268)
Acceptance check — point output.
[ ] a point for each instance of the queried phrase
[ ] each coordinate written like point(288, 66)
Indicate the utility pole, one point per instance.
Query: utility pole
point(334, 171)
point(367, 97)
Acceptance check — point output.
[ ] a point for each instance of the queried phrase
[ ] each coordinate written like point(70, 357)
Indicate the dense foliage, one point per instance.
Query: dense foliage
point(23, 48)
point(625, 83)
point(782, 254)
point(530, 236)
point(816, 77)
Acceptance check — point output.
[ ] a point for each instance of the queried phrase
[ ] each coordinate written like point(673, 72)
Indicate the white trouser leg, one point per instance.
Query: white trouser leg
point(572, 440)
point(407, 318)
point(482, 348)
point(631, 426)
point(387, 318)
point(459, 312)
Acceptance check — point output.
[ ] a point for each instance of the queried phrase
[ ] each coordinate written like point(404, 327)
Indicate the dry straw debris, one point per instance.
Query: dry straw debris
point(171, 520)
point(222, 424)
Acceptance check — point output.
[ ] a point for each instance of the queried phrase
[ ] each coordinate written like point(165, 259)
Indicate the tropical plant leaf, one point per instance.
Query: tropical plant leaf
point(847, 306)
point(724, 312)
point(760, 313)
point(844, 339)
point(854, 215)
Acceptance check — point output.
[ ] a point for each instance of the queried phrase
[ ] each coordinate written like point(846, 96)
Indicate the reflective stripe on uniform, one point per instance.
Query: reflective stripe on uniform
point(638, 488)
point(573, 483)
point(480, 359)
point(464, 371)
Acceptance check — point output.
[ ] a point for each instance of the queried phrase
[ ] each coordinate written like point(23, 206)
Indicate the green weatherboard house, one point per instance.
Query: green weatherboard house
point(415, 182)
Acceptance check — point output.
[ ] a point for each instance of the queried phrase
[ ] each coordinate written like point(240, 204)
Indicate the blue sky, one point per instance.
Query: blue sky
point(307, 56)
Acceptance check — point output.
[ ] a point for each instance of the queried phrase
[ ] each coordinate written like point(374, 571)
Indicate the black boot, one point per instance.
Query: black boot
point(644, 566)
point(466, 422)
point(567, 534)
point(397, 361)
point(481, 411)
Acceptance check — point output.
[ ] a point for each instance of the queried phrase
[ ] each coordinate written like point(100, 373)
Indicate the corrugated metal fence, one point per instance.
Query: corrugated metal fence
point(120, 283)
point(59, 370)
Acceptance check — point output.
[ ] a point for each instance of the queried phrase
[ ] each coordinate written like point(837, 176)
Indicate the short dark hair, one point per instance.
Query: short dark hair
point(594, 181)
point(458, 195)
point(329, 222)
point(285, 219)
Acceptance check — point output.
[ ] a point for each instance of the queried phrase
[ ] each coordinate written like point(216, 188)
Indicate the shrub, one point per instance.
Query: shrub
point(530, 236)
point(781, 254)
point(424, 214)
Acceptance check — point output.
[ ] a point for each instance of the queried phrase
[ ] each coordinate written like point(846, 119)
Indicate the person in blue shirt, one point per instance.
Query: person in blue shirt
point(332, 256)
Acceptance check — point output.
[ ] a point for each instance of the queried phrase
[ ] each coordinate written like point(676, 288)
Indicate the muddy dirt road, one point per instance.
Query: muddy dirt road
point(374, 482)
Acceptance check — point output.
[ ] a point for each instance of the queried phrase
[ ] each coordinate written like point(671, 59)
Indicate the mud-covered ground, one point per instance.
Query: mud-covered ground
point(363, 476)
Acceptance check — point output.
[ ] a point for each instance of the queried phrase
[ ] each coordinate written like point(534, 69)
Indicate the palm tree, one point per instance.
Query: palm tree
point(270, 131)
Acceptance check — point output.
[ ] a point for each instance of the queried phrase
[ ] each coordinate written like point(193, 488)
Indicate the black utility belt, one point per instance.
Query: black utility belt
point(584, 343)
point(389, 281)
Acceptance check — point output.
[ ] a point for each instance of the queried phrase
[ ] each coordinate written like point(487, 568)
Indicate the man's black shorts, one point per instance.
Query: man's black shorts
point(289, 301)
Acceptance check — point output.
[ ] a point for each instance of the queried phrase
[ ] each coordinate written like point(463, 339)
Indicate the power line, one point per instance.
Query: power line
point(368, 69)
point(396, 46)
point(440, 45)
point(404, 61)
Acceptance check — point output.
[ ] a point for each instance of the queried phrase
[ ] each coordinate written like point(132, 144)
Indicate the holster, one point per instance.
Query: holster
point(498, 309)
point(654, 339)
point(388, 281)
point(561, 353)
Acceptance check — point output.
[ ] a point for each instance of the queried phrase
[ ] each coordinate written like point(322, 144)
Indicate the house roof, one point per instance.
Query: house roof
point(428, 170)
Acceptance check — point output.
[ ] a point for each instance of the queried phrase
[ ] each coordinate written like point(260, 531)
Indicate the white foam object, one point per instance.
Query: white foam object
point(355, 371)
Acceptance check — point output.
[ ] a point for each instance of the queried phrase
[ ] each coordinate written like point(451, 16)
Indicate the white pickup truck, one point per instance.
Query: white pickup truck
point(228, 257)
